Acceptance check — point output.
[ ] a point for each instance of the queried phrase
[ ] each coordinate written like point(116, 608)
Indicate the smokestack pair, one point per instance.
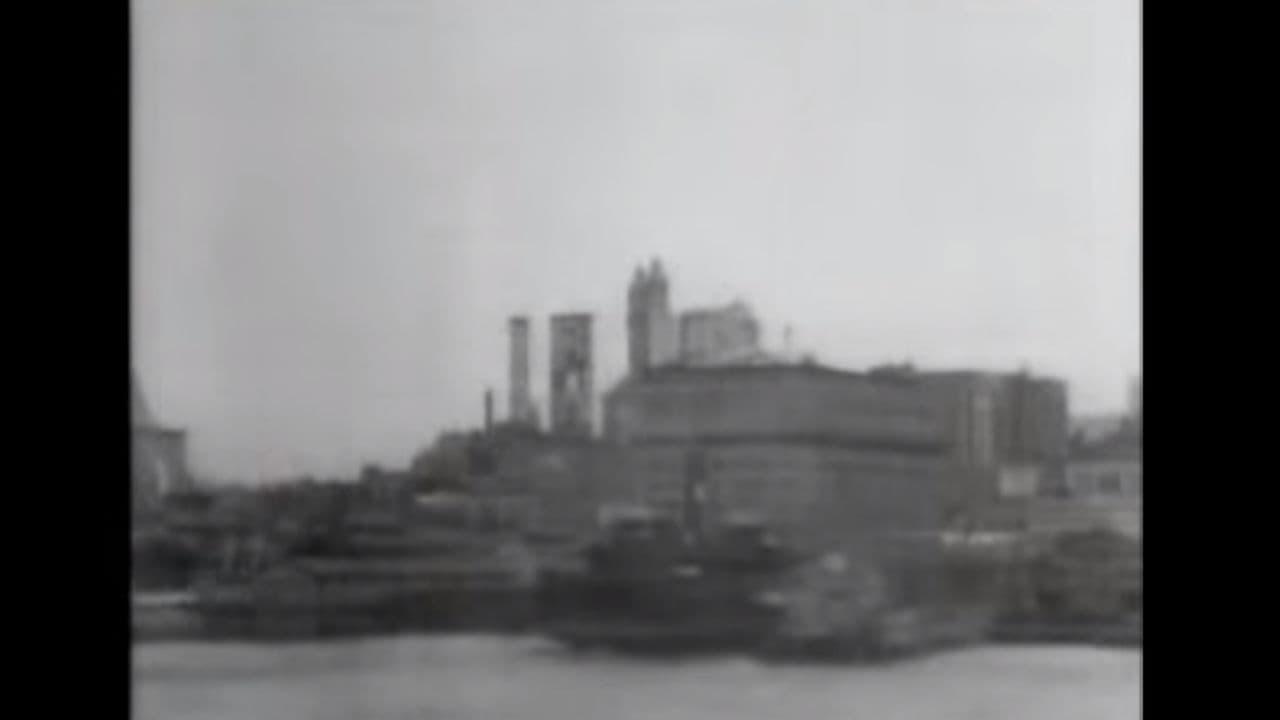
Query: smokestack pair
point(572, 370)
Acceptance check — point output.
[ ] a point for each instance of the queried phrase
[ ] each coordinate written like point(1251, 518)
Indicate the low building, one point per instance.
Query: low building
point(557, 483)
point(1109, 468)
point(1103, 488)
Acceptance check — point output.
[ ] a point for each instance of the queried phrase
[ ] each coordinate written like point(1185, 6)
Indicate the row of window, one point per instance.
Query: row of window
point(783, 491)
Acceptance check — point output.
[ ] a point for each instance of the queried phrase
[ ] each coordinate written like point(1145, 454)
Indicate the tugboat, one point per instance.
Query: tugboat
point(648, 586)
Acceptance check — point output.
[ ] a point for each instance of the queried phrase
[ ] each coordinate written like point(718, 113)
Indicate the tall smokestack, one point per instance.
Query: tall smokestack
point(520, 402)
point(572, 371)
point(488, 410)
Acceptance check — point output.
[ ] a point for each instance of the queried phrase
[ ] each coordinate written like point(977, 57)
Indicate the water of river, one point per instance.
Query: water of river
point(476, 678)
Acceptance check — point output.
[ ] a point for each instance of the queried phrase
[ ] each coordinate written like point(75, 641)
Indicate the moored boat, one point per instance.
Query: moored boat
point(323, 596)
point(646, 587)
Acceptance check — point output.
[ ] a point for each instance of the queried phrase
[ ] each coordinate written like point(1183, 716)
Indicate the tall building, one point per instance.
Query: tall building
point(719, 336)
point(159, 454)
point(651, 326)
point(828, 457)
point(572, 370)
point(520, 400)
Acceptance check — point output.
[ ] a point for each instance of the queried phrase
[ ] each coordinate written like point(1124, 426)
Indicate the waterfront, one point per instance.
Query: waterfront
point(490, 678)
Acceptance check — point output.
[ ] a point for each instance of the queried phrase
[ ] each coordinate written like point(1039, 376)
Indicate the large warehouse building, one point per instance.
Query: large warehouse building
point(829, 457)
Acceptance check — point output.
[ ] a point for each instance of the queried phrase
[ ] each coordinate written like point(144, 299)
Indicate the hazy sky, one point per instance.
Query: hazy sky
point(337, 203)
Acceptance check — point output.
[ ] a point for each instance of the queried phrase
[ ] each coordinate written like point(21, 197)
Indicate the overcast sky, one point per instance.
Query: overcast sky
point(337, 203)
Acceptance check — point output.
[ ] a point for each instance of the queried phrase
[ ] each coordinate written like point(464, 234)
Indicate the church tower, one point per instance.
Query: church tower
point(651, 326)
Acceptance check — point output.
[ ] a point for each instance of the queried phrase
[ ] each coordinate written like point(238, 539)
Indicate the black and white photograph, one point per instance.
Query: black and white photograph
point(631, 359)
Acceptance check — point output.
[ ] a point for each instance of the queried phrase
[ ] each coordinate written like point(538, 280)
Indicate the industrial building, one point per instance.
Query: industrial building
point(829, 457)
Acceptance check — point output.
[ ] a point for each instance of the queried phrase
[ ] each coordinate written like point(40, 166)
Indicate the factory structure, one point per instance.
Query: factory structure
point(828, 455)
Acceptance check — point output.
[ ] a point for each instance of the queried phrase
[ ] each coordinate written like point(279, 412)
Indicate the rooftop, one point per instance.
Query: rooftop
point(766, 367)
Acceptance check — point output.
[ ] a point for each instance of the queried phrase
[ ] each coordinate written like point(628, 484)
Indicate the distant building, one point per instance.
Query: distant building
point(829, 457)
point(1010, 428)
point(651, 327)
point(572, 375)
point(719, 336)
point(710, 336)
point(159, 454)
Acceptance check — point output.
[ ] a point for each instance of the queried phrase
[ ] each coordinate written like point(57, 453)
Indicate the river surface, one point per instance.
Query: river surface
point(481, 678)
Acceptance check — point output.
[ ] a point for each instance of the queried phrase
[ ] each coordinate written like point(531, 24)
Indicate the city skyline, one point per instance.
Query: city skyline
point(336, 212)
